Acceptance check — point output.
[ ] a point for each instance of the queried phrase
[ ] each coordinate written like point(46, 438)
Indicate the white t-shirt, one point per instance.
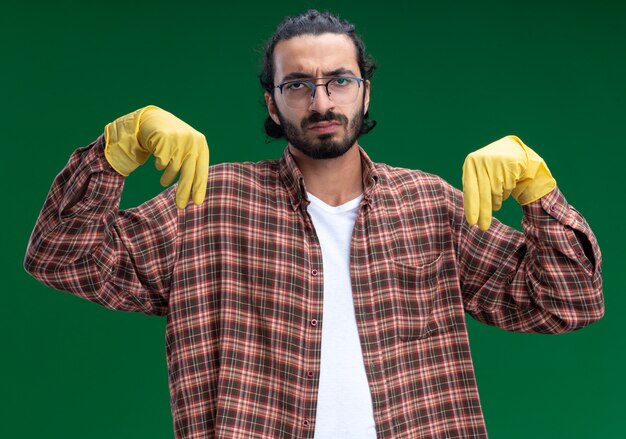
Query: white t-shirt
point(344, 407)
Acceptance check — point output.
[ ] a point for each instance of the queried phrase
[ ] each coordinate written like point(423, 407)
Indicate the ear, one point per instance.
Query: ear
point(367, 95)
point(271, 108)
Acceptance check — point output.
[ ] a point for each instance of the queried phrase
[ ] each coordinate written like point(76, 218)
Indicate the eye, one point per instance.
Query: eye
point(342, 82)
point(294, 86)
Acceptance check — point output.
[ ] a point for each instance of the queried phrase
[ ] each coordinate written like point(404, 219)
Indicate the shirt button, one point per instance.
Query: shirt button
point(314, 272)
point(553, 207)
point(306, 423)
point(313, 322)
point(310, 374)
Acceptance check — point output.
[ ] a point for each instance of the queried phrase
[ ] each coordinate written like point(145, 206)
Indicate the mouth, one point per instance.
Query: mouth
point(325, 127)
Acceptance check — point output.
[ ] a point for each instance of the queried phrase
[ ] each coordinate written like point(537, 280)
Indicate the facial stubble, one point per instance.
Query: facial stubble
point(323, 147)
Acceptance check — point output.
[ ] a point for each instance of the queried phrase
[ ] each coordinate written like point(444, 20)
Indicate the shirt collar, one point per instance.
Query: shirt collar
point(294, 181)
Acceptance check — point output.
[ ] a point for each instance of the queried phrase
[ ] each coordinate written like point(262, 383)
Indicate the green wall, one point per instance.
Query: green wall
point(453, 76)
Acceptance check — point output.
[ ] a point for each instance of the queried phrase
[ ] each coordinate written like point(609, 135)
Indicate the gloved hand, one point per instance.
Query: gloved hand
point(500, 169)
point(176, 146)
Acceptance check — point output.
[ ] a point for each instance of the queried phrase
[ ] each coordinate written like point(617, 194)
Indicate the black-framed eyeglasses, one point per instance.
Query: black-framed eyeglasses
point(299, 93)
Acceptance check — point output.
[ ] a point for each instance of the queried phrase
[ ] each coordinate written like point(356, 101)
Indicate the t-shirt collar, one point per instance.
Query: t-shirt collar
point(294, 181)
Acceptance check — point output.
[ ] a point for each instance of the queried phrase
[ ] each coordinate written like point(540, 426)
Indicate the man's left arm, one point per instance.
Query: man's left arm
point(546, 279)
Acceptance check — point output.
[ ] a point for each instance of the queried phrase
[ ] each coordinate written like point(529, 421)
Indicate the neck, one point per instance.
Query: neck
point(334, 181)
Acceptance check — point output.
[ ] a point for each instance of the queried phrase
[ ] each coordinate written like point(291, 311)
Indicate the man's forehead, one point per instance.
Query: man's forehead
point(314, 54)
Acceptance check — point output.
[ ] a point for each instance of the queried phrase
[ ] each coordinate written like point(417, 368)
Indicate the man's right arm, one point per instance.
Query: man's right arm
point(123, 260)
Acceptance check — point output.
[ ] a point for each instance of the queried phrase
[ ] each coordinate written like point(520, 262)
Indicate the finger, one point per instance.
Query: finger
point(162, 157)
point(160, 164)
point(496, 180)
point(470, 191)
point(506, 193)
point(511, 175)
point(496, 202)
point(170, 173)
point(201, 175)
point(484, 189)
point(185, 182)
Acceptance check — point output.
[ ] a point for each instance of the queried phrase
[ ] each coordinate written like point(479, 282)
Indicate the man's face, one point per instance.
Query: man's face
point(323, 129)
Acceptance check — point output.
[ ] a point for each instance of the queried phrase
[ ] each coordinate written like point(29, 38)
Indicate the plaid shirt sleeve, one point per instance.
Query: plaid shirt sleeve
point(82, 244)
point(545, 280)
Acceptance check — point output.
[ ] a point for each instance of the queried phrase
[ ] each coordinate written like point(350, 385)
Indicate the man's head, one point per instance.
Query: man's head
point(304, 49)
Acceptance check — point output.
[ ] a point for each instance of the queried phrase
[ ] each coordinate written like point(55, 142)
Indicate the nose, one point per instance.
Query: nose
point(320, 102)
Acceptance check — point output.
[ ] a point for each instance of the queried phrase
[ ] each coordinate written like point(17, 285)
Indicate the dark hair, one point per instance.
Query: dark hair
point(312, 22)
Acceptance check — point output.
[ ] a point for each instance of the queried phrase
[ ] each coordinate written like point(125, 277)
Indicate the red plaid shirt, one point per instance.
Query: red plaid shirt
point(240, 280)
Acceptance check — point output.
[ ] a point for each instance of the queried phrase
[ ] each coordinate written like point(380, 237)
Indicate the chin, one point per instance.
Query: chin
point(325, 137)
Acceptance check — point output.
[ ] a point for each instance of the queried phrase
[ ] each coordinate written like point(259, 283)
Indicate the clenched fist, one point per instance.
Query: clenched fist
point(502, 168)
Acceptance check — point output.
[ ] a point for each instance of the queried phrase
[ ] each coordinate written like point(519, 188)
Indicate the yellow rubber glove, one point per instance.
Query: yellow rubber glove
point(177, 147)
point(502, 168)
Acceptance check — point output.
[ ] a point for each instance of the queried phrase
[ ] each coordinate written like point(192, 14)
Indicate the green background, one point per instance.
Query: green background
point(453, 76)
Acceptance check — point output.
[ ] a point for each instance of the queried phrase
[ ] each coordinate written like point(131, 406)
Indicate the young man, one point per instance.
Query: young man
point(321, 295)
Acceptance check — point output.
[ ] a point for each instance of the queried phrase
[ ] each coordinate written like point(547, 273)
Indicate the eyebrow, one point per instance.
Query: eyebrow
point(302, 75)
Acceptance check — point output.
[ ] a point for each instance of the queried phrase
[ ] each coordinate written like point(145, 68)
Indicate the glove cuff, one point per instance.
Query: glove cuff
point(122, 150)
point(536, 180)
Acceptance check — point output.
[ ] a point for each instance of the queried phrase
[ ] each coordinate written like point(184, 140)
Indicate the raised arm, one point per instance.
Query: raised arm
point(83, 244)
point(546, 279)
